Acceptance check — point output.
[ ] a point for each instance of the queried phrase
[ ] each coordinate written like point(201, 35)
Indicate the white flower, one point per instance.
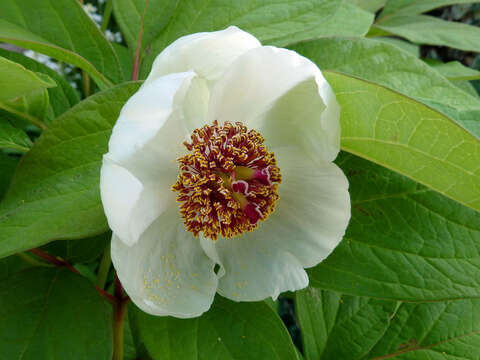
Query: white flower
point(114, 37)
point(225, 76)
point(91, 11)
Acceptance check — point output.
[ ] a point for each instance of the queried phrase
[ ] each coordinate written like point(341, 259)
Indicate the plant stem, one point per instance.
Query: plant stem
point(62, 263)
point(119, 310)
point(104, 268)
point(86, 83)
point(32, 261)
point(27, 117)
point(136, 63)
point(118, 321)
point(106, 15)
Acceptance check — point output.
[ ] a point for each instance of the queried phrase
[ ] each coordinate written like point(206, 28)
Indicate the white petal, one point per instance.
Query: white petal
point(254, 268)
point(146, 141)
point(313, 211)
point(129, 205)
point(166, 272)
point(149, 134)
point(207, 53)
point(301, 117)
point(282, 94)
point(309, 222)
point(119, 190)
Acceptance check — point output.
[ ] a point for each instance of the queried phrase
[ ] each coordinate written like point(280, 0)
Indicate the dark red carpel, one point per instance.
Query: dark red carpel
point(263, 176)
point(253, 213)
point(240, 186)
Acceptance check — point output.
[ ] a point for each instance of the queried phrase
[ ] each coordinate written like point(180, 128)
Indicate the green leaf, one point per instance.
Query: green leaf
point(62, 97)
point(129, 348)
point(11, 265)
point(370, 5)
point(7, 165)
point(455, 70)
point(404, 45)
point(60, 175)
point(15, 80)
point(273, 22)
point(81, 250)
point(128, 14)
point(408, 137)
point(227, 331)
point(125, 59)
point(35, 104)
point(404, 241)
point(466, 86)
point(336, 326)
point(62, 30)
point(53, 314)
point(397, 70)
point(441, 330)
point(13, 138)
point(414, 7)
point(423, 29)
point(13, 34)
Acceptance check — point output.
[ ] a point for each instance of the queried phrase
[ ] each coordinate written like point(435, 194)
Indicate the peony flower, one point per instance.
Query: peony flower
point(219, 175)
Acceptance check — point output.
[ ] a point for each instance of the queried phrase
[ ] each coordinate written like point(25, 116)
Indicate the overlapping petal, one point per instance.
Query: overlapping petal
point(209, 54)
point(226, 76)
point(140, 167)
point(151, 129)
point(166, 272)
point(269, 89)
point(309, 222)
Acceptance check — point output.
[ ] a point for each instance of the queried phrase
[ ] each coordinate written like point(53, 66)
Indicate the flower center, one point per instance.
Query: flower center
point(228, 181)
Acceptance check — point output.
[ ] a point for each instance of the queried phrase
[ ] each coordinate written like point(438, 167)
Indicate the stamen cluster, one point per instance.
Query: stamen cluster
point(228, 181)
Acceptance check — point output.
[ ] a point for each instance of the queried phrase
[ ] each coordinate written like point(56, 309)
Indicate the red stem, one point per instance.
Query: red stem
point(118, 288)
point(62, 263)
point(119, 310)
point(136, 63)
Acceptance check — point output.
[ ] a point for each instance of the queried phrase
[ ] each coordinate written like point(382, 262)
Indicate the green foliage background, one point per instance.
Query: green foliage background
point(405, 281)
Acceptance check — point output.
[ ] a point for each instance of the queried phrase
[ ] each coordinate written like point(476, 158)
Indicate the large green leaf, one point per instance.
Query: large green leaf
point(408, 137)
point(129, 347)
point(430, 30)
point(227, 331)
point(7, 166)
point(336, 326)
point(128, 14)
point(273, 22)
point(13, 138)
point(413, 7)
point(125, 59)
point(440, 330)
point(404, 241)
point(15, 80)
point(11, 265)
point(60, 176)
point(63, 30)
point(466, 86)
point(33, 105)
point(395, 130)
point(80, 250)
point(53, 314)
point(402, 44)
point(397, 70)
point(62, 97)
point(455, 70)
point(13, 34)
point(370, 5)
